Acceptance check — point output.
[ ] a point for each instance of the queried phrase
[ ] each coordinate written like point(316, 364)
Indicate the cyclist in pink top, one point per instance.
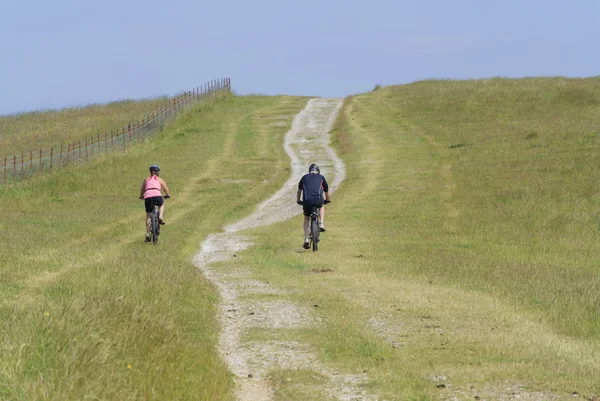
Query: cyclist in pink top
point(152, 195)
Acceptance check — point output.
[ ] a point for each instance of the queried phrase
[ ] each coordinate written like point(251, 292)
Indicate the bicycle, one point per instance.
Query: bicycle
point(314, 232)
point(154, 223)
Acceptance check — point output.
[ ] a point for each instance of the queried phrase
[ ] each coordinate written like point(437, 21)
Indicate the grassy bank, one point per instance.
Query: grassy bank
point(88, 310)
point(41, 129)
point(461, 245)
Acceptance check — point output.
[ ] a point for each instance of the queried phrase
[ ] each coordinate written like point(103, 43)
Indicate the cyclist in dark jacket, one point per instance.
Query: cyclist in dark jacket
point(312, 187)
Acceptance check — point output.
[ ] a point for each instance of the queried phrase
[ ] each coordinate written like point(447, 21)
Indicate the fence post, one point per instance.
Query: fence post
point(31, 160)
point(14, 166)
point(51, 156)
point(41, 162)
point(4, 174)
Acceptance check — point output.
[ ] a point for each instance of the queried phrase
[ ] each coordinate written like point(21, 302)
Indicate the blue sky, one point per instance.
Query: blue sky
point(63, 53)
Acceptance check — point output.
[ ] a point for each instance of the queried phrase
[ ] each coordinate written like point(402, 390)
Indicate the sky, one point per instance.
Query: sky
point(64, 53)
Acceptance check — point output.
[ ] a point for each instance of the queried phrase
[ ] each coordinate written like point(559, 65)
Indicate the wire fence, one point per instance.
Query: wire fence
point(25, 164)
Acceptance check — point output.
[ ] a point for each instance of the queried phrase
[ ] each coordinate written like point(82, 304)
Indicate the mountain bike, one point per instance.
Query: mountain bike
point(154, 223)
point(314, 231)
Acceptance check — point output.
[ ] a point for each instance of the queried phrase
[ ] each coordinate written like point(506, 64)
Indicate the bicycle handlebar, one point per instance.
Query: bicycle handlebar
point(166, 197)
point(324, 202)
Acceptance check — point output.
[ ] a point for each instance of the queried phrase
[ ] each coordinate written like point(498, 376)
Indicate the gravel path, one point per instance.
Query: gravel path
point(307, 142)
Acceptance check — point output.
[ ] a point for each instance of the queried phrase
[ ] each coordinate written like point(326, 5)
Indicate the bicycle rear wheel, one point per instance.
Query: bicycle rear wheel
point(154, 227)
point(314, 230)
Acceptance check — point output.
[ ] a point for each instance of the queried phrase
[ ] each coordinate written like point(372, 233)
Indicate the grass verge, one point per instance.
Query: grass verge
point(462, 243)
point(90, 311)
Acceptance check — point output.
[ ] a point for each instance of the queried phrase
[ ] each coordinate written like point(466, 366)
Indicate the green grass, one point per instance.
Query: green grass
point(462, 245)
point(42, 129)
point(88, 311)
point(464, 242)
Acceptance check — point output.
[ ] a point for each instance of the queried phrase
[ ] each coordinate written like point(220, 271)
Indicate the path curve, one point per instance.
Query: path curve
point(306, 142)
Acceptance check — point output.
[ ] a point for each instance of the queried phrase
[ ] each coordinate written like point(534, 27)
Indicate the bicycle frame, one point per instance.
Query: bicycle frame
point(154, 222)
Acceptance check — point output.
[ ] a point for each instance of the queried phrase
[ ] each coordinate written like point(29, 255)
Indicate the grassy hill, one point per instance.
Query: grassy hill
point(34, 130)
point(463, 242)
point(90, 311)
point(459, 261)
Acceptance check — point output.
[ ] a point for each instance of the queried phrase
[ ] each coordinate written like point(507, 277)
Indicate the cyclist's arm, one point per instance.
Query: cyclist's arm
point(300, 187)
point(163, 184)
point(143, 189)
point(326, 190)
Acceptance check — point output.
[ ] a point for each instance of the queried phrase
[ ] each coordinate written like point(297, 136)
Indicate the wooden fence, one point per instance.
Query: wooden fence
point(25, 164)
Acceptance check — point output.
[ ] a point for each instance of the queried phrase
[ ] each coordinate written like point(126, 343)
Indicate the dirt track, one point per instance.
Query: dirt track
point(307, 142)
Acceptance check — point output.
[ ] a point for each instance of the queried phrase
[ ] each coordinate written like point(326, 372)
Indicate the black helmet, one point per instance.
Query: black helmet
point(314, 167)
point(154, 167)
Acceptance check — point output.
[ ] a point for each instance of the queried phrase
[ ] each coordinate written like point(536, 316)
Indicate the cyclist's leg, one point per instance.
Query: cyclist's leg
point(322, 217)
point(306, 210)
point(161, 209)
point(148, 224)
point(306, 225)
point(148, 206)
